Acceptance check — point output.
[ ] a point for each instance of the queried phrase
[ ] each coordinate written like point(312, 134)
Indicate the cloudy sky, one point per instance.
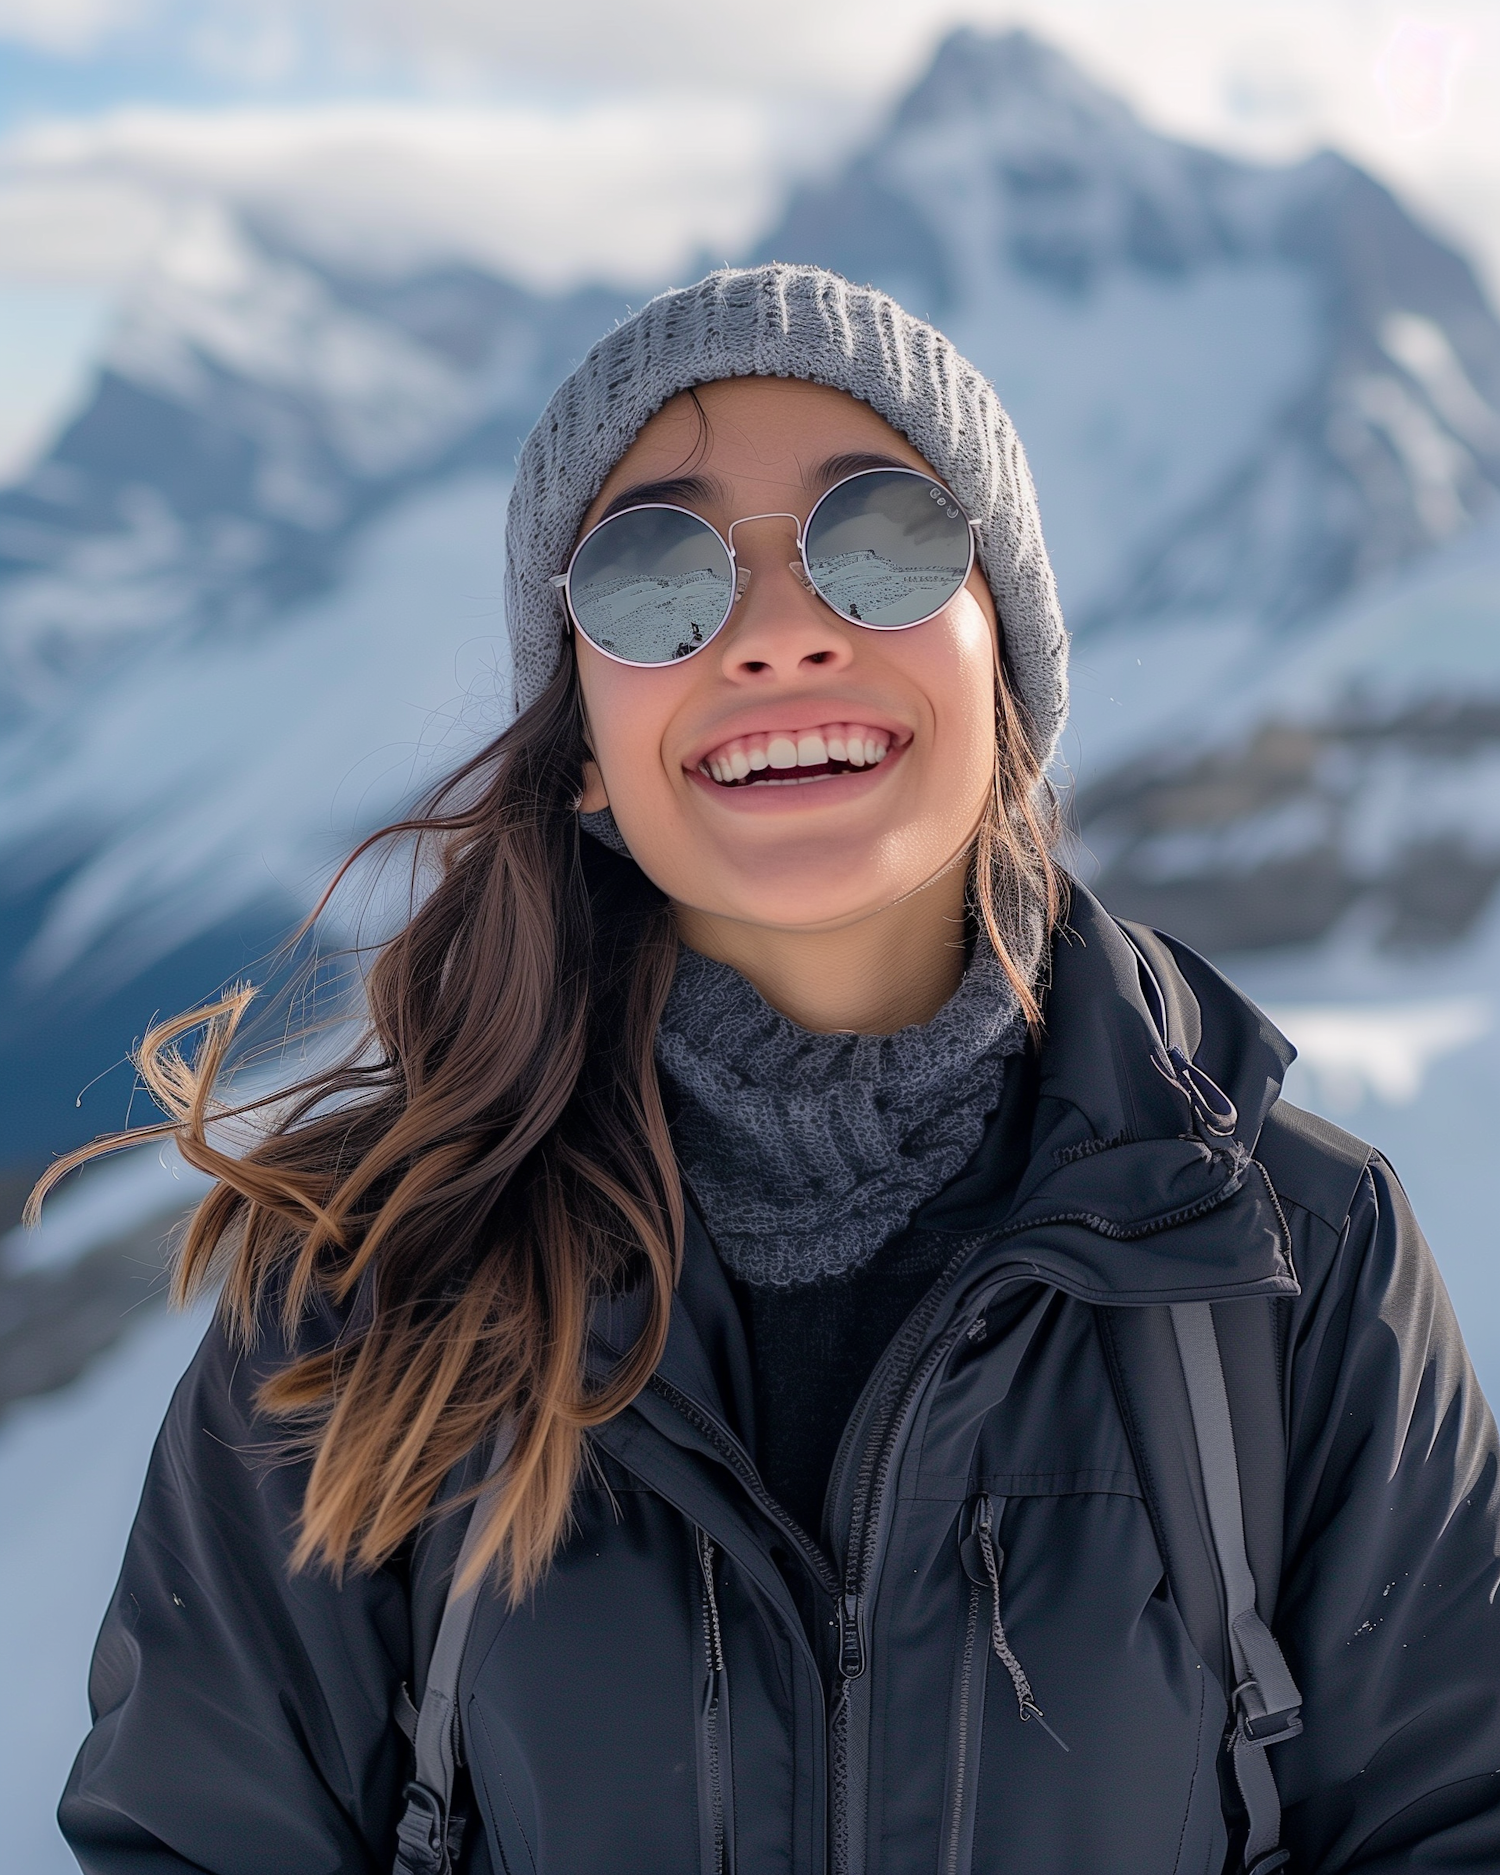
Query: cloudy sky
point(623, 139)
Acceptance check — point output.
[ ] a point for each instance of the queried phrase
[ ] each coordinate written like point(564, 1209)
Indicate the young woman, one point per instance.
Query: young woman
point(788, 1214)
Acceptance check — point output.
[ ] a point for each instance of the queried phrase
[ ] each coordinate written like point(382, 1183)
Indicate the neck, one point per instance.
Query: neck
point(879, 974)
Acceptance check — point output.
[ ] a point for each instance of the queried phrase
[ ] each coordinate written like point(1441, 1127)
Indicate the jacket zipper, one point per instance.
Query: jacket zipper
point(849, 1724)
point(967, 1732)
point(716, 1756)
point(735, 1457)
point(982, 1559)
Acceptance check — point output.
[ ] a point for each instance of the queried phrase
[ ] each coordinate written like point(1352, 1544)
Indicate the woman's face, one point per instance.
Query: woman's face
point(820, 853)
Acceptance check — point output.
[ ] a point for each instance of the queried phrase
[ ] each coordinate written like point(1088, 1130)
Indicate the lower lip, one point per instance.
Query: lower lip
point(825, 791)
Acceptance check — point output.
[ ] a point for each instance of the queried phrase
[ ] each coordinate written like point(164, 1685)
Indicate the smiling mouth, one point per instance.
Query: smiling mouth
point(788, 758)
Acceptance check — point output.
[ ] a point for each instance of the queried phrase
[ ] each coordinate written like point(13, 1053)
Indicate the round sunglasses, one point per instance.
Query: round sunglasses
point(883, 548)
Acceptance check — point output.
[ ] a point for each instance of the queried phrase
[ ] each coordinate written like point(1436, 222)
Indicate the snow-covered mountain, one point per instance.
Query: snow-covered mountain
point(255, 415)
point(252, 594)
point(1349, 784)
point(1242, 389)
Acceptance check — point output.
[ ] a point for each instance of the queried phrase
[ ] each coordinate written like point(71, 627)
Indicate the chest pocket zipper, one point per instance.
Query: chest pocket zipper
point(983, 1560)
point(983, 1636)
point(715, 1753)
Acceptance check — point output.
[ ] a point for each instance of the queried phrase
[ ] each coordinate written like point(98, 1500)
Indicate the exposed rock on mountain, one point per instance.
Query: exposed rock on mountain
point(1347, 783)
point(1272, 842)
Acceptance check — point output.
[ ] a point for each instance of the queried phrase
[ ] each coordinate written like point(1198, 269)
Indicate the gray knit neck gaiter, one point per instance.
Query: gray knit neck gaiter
point(808, 1152)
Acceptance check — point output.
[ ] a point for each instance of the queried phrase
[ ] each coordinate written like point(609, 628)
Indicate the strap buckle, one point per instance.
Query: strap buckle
point(422, 1834)
point(1259, 1727)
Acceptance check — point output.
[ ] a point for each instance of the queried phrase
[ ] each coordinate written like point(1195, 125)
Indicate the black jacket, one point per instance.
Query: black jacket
point(681, 1695)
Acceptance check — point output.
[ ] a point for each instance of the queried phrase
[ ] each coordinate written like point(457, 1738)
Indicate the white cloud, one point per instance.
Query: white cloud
point(581, 137)
point(625, 189)
point(70, 26)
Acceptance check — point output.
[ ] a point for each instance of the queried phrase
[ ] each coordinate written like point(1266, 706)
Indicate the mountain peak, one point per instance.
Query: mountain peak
point(978, 73)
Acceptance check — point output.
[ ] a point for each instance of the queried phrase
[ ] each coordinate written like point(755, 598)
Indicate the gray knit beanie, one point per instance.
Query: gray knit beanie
point(786, 322)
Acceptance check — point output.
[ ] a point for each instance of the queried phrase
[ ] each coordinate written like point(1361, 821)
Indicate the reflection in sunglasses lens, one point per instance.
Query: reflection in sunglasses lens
point(888, 548)
point(651, 585)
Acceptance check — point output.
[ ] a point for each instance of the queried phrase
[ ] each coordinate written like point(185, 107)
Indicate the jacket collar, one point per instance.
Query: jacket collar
point(1155, 1076)
point(1140, 1186)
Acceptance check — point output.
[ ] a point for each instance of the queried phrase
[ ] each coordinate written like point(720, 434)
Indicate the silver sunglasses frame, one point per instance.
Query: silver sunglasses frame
point(739, 578)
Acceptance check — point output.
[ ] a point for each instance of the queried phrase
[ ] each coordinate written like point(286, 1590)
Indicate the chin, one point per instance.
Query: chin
point(780, 876)
point(796, 900)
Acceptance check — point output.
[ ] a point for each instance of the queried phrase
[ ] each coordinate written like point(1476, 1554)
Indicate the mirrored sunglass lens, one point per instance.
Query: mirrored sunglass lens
point(888, 548)
point(651, 585)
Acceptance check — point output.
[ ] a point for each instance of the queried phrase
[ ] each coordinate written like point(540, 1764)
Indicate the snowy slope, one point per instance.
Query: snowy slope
point(269, 748)
point(1347, 783)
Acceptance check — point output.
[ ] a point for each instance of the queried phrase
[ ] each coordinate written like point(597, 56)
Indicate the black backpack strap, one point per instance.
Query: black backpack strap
point(429, 1835)
point(1198, 1386)
point(1267, 1703)
point(1200, 1389)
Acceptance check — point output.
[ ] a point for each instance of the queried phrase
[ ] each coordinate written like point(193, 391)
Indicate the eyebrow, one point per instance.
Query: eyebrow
point(856, 462)
point(674, 489)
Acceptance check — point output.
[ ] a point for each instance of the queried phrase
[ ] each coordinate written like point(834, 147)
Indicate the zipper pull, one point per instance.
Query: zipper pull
point(969, 1548)
point(1213, 1111)
point(712, 1634)
point(851, 1636)
point(992, 1558)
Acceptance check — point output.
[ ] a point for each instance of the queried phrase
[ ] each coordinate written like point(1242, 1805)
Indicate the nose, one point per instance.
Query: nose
point(779, 630)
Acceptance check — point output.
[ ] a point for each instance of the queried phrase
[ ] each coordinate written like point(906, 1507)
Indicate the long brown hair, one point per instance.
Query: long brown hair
point(493, 1156)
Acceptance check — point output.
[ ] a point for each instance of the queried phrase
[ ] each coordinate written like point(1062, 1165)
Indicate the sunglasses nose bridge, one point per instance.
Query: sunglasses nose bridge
point(774, 515)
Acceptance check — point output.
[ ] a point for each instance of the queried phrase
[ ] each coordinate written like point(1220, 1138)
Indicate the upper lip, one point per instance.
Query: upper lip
point(766, 719)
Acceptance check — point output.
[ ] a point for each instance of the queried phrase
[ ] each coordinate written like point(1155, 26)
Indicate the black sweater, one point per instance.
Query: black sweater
point(813, 1347)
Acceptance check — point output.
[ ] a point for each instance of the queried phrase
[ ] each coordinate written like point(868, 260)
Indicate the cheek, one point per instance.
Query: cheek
point(956, 672)
point(628, 712)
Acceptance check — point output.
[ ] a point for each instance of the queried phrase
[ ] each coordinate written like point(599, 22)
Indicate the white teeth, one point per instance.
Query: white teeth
point(812, 751)
point(847, 744)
